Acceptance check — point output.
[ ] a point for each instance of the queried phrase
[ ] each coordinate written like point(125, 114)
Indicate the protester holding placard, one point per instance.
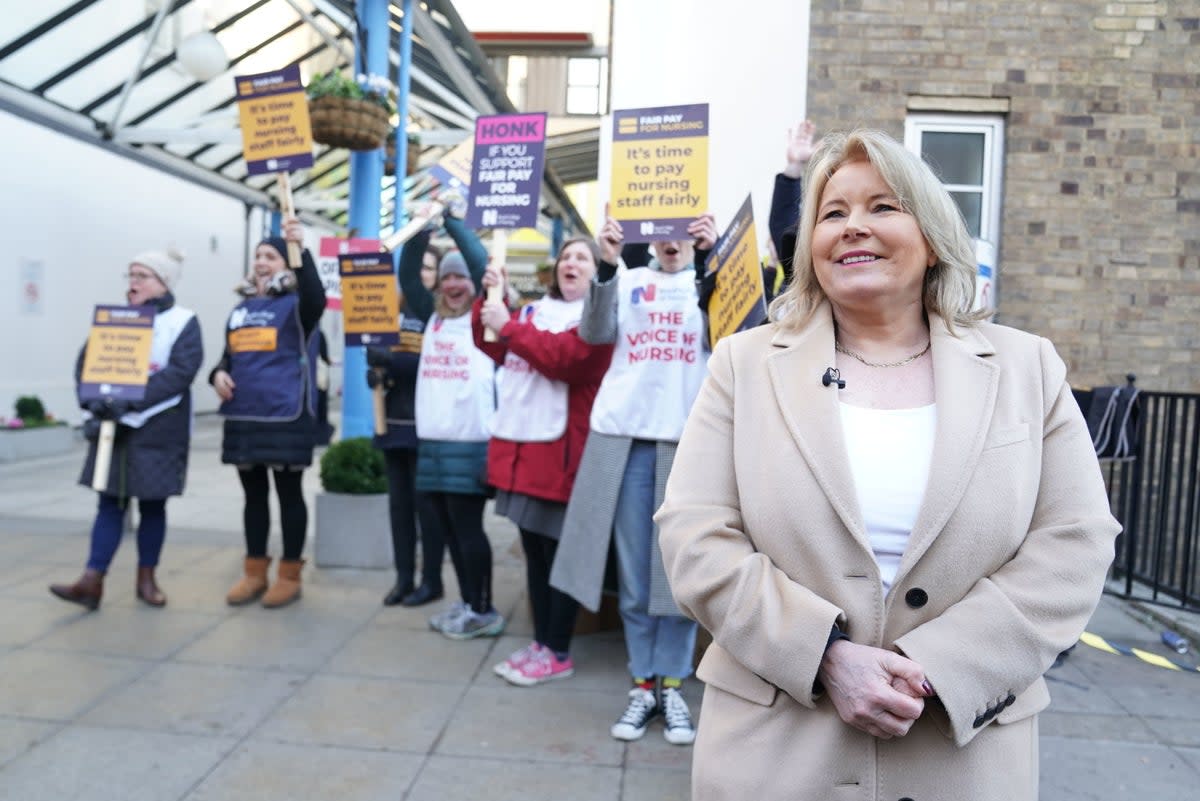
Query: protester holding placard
point(658, 364)
point(455, 402)
point(267, 383)
point(783, 218)
point(150, 454)
point(550, 380)
point(396, 369)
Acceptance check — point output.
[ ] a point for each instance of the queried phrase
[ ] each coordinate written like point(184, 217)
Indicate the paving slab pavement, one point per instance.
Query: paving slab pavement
point(339, 697)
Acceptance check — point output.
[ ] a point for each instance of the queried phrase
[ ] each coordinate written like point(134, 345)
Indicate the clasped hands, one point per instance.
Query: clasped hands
point(876, 691)
point(109, 408)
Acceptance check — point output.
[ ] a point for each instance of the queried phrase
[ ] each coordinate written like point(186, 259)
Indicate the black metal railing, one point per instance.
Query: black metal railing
point(1156, 496)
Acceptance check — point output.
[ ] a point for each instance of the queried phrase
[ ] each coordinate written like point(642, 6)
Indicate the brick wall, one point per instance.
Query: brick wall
point(1100, 247)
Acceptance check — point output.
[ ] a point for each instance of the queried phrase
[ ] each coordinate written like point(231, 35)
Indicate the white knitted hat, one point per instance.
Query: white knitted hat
point(166, 264)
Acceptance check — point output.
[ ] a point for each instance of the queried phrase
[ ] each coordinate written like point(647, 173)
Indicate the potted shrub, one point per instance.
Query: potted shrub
point(32, 432)
point(352, 527)
point(348, 112)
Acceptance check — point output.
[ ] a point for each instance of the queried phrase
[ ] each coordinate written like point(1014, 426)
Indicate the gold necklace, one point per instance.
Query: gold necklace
point(842, 349)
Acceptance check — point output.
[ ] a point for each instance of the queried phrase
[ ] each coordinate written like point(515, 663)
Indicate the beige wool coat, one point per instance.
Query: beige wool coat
point(764, 545)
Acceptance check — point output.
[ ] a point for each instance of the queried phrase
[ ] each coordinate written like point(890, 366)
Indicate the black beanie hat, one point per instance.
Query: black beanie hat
point(279, 243)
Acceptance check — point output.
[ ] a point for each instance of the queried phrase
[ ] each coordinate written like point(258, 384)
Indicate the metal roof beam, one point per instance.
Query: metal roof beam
point(450, 61)
point(109, 46)
point(114, 124)
point(167, 60)
point(34, 34)
point(53, 116)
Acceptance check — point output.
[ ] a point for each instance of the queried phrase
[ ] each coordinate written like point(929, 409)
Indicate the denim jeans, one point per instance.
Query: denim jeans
point(110, 523)
point(657, 645)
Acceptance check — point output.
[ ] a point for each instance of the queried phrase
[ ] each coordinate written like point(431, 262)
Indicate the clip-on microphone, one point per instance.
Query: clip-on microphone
point(833, 376)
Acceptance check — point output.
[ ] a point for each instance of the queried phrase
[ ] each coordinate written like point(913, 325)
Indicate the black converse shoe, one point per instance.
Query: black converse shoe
point(679, 730)
point(641, 710)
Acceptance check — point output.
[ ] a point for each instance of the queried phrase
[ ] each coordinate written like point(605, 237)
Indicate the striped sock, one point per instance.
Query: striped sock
point(645, 684)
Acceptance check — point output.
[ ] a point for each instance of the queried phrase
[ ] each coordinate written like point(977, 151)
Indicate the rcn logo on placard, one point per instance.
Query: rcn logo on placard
point(643, 293)
point(490, 217)
point(647, 228)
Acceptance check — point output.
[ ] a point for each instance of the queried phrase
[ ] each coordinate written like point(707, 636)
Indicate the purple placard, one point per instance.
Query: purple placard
point(506, 174)
point(370, 299)
point(274, 125)
point(116, 364)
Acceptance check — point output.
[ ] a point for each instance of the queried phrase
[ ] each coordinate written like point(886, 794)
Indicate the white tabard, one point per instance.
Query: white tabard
point(456, 390)
point(658, 362)
point(532, 407)
point(168, 325)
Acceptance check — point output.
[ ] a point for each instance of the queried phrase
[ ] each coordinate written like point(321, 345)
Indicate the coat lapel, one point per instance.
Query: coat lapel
point(810, 411)
point(965, 388)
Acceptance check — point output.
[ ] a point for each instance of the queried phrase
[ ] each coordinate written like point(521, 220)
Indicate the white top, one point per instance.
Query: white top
point(456, 390)
point(890, 451)
point(531, 407)
point(658, 362)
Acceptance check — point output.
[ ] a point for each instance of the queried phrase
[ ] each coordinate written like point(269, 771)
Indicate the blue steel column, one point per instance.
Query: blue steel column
point(366, 178)
point(556, 238)
point(402, 82)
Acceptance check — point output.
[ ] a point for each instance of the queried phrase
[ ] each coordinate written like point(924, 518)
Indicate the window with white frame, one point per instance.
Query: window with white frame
point(587, 88)
point(967, 152)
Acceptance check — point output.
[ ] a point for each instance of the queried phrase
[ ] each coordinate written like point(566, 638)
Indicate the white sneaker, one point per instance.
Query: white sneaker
point(471, 624)
point(679, 730)
point(452, 612)
point(641, 710)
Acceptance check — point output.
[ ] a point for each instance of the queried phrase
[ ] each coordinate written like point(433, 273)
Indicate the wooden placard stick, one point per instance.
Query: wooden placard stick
point(377, 397)
point(499, 259)
point(104, 449)
point(288, 210)
point(413, 226)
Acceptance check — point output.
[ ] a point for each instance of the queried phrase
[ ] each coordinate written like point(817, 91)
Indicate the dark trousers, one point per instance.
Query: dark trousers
point(402, 514)
point(256, 516)
point(110, 523)
point(458, 520)
point(553, 611)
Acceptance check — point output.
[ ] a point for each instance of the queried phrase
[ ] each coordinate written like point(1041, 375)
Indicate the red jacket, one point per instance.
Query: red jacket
point(545, 470)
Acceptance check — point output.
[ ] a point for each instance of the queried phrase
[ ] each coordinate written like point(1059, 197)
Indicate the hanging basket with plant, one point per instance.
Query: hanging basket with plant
point(349, 113)
point(413, 155)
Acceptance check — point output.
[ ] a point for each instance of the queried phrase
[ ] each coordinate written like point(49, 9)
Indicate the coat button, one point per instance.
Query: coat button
point(906, 798)
point(916, 597)
point(1010, 700)
point(979, 721)
point(991, 713)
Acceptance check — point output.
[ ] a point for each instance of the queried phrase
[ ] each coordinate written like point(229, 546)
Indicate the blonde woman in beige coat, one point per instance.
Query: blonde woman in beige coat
point(888, 514)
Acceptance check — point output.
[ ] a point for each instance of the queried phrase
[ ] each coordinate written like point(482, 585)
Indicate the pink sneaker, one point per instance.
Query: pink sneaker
point(543, 666)
point(514, 662)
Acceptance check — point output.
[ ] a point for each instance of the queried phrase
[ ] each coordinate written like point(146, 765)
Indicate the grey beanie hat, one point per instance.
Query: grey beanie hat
point(453, 263)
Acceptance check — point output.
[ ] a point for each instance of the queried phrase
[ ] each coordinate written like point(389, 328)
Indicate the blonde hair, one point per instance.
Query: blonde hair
point(949, 283)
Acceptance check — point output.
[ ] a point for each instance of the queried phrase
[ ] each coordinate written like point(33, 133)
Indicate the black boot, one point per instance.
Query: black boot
point(422, 595)
point(396, 594)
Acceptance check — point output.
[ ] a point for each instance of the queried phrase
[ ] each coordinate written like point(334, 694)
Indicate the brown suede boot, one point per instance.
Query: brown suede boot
point(287, 584)
point(86, 591)
point(147, 588)
point(252, 584)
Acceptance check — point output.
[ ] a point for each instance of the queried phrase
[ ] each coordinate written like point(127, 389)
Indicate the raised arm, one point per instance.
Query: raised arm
point(419, 299)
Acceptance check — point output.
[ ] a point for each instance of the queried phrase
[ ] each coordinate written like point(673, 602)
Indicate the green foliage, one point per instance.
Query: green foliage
point(354, 467)
point(30, 409)
point(336, 84)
